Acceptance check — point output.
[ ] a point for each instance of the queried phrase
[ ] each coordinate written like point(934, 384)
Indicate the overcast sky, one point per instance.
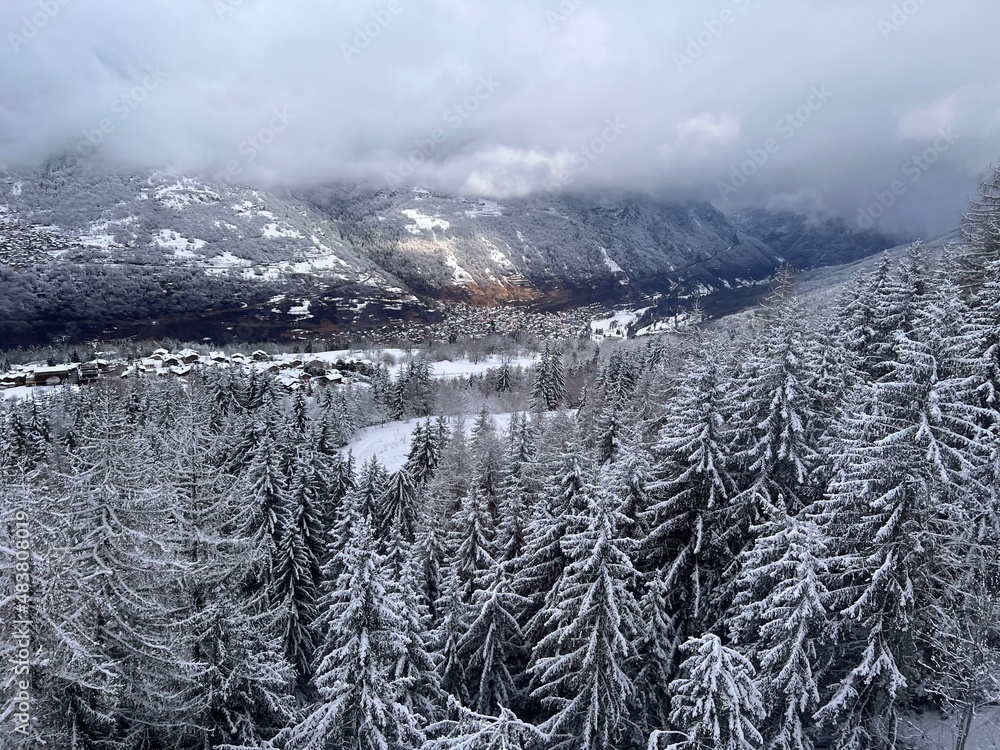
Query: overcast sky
point(805, 104)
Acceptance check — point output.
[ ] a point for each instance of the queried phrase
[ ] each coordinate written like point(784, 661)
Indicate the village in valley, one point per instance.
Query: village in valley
point(292, 371)
point(343, 366)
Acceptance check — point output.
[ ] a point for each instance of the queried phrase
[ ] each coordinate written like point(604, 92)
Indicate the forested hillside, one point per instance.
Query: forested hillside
point(778, 535)
point(194, 257)
point(789, 538)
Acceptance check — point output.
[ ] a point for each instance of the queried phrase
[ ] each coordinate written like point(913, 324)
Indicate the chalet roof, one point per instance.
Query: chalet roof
point(56, 370)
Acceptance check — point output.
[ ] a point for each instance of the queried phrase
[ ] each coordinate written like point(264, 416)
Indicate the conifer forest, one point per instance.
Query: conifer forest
point(781, 534)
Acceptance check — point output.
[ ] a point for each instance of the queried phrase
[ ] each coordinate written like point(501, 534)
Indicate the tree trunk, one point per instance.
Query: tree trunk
point(965, 726)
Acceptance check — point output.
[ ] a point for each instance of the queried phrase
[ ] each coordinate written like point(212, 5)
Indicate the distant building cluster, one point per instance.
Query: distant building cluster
point(42, 374)
point(465, 321)
point(292, 371)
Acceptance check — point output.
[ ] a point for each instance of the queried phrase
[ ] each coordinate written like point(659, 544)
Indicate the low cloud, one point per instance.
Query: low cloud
point(506, 172)
point(701, 135)
point(368, 81)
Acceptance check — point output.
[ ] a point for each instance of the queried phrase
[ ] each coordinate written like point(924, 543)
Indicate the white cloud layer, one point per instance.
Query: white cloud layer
point(373, 88)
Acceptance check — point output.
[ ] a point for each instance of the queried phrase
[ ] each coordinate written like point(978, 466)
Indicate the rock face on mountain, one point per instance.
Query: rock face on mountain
point(451, 246)
point(87, 252)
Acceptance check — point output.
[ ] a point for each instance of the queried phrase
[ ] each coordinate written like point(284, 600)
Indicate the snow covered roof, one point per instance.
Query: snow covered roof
point(56, 370)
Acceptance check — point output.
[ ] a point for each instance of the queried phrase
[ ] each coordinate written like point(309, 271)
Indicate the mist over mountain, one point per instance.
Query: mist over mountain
point(805, 241)
point(504, 98)
point(95, 252)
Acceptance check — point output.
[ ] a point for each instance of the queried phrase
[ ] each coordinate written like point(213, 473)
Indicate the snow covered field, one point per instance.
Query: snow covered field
point(929, 732)
point(23, 391)
point(19, 391)
point(391, 442)
point(615, 326)
point(463, 368)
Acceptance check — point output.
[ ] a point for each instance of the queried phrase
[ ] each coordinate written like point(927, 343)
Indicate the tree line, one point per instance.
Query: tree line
point(783, 535)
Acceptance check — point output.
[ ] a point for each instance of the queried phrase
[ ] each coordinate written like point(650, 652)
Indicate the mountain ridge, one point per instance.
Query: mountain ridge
point(349, 256)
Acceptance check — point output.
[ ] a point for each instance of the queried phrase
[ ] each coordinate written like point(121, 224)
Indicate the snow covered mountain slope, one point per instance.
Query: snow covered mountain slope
point(453, 246)
point(85, 251)
point(170, 220)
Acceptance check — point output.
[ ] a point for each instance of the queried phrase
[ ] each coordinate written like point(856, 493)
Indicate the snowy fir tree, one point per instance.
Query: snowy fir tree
point(567, 488)
point(301, 546)
point(656, 657)
point(397, 508)
point(425, 453)
point(471, 536)
point(548, 389)
point(780, 617)
point(690, 519)
point(361, 701)
point(773, 454)
point(897, 506)
point(581, 667)
point(981, 234)
point(492, 648)
point(714, 703)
